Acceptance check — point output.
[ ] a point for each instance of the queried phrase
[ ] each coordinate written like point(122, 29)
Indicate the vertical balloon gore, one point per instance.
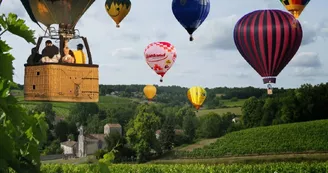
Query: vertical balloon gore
point(191, 13)
point(196, 95)
point(266, 43)
point(191, 38)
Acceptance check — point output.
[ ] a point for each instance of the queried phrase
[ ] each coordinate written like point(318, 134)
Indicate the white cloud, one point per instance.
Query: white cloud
point(205, 61)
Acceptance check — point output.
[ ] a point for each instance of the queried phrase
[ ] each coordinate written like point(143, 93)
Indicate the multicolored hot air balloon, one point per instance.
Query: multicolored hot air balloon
point(118, 9)
point(50, 12)
point(196, 96)
point(160, 56)
point(191, 13)
point(268, 41)
point(150, 91)
point(295, 7)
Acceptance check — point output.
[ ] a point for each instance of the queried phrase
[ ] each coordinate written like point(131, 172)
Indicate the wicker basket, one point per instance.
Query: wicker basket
point(61, 82)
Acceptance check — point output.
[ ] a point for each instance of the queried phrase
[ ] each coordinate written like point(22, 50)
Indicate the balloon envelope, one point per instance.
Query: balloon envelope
point(160, 56)
point(150, 91)
point(268, 40)
point(295, 7)
point(191, 13)
point(196, 96)
point(118, 9)
point(50, 12)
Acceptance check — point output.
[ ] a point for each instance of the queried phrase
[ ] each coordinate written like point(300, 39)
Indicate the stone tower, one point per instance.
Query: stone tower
point(81, 143)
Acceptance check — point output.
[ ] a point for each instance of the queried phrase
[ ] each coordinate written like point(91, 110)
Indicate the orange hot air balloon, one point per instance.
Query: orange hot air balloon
point(150, 91)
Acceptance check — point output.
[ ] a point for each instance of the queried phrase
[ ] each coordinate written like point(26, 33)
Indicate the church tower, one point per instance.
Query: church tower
point(81, 143)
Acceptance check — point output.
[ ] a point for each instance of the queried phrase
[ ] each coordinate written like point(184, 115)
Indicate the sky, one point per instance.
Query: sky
point(211, 60)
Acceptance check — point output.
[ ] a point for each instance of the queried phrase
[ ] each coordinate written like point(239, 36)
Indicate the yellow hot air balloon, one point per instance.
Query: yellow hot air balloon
point(196, 96)
point(118, 9)
point(295, 7)
point(150, 91)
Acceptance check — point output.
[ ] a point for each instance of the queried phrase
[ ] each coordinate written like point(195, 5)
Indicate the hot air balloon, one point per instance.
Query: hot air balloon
point(160, 56)
point(118, 9)
point(149, 91)
point(196, 96)
point(191, 13)
point(295, 7)
point(60, 82)
point(267, 41)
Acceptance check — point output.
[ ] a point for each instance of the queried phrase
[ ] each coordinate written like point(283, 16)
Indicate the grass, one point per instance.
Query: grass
point(235, 110)
point(238, 103)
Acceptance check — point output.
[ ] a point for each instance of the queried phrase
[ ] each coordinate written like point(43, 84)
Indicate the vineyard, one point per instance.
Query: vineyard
point(296, 137)
point(148, 168)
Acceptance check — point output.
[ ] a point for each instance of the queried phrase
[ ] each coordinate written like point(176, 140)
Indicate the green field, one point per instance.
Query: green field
point(190, 168)
point(309, 136)
point(229, 103)
point(235, 110)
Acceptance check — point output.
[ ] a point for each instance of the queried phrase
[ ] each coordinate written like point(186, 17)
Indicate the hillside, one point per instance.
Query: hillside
point(295, 137)
point(117, 98)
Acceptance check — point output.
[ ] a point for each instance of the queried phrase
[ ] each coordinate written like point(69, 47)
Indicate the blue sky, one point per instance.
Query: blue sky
point(211, 60)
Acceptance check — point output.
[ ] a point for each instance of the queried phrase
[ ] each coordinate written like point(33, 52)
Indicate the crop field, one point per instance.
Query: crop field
point(295, 137)
point(189, 168)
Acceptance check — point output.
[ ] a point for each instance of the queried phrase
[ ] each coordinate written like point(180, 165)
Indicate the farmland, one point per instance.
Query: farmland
point(220, 111)
point(62, 109)
point(194, 168)
point(294, 137)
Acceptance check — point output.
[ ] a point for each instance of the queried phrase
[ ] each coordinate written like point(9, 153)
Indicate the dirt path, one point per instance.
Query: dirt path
point(199, 144)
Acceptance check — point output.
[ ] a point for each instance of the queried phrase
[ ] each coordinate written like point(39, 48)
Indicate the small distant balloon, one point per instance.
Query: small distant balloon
point(196, 95)
point(118, 10)
point(160, 56)
point(295, 7)
point(150, 91)
point(191, 13)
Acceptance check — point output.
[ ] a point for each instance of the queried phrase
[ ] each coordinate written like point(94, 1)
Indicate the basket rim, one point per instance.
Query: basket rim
point(62, 64)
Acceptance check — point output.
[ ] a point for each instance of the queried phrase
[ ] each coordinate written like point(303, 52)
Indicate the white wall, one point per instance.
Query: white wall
point(67, 150)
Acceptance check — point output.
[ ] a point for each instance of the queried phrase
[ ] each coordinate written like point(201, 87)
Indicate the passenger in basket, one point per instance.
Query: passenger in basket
point(68, 55)
point(80, 55)
point(50, 54)
point(35, 57)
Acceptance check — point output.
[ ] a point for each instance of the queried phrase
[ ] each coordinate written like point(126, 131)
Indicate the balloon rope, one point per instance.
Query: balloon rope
point(294, 24)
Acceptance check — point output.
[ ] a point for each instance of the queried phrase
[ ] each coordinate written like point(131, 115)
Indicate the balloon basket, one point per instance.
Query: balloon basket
point(117, 26)
point(269, 89)
point(191, 38)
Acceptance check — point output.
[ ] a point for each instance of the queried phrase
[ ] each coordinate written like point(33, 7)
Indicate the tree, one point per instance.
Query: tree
point(141, 134)
point(62, 130)
point(167, 135)
point(81, 111)
point(210, 126)
point(189, 127)
point(20, 133)
point(47, 109)
point(114, 139)
point(183, 112)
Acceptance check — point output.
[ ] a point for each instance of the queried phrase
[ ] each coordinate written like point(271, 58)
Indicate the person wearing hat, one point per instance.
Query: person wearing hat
point(80, 57)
